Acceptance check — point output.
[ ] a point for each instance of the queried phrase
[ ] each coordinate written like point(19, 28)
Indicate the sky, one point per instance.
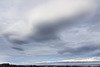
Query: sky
point(36, 31)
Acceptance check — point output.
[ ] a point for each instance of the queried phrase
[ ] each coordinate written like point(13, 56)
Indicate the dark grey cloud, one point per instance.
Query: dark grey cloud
point(17, 48)
point(48, 32)
point(83, 50)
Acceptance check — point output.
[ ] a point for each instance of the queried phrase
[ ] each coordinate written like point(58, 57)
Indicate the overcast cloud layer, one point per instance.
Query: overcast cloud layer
point(48, 30)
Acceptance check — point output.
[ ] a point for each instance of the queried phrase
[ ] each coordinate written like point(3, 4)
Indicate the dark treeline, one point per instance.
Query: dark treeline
point(10, 65)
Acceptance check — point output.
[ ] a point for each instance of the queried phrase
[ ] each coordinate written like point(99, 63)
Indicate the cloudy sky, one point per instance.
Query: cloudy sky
point(34, 31)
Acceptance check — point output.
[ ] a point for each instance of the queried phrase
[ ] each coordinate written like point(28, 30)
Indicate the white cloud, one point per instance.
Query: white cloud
point(89, 59)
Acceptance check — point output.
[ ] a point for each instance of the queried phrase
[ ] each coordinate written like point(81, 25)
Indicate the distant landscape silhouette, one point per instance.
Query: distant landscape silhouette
point(11, 65)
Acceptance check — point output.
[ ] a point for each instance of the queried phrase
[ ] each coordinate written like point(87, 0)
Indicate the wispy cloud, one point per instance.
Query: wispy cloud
point(92, 59)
